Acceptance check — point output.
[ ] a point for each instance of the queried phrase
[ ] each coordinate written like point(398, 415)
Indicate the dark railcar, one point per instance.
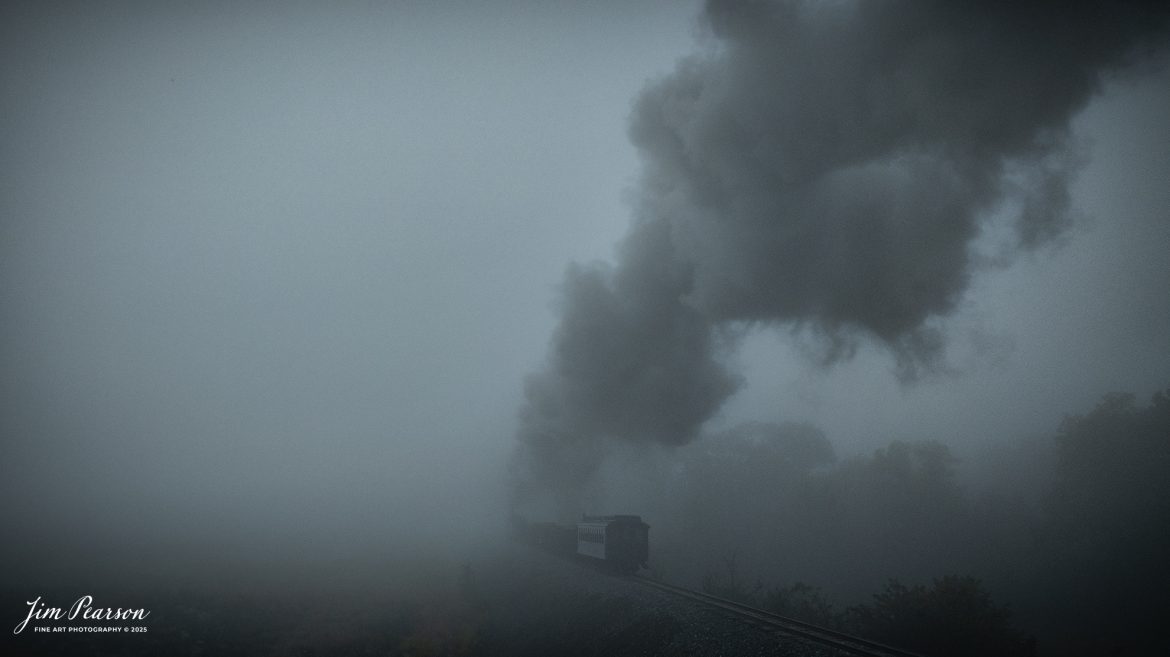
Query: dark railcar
point(622, 542)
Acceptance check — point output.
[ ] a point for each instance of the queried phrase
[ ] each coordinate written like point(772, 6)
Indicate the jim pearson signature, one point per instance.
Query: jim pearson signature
point(83, 609)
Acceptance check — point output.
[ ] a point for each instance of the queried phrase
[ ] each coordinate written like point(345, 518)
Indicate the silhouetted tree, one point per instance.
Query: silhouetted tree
point(1112, 467)
point(917, 474)
point(750, 490)
point(1108, 534)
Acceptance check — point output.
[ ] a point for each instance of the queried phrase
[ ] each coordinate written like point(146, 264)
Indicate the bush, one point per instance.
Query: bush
point(802, 602)
point(953, 617)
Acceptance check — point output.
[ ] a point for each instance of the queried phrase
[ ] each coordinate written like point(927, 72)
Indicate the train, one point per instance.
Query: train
point(619, 542)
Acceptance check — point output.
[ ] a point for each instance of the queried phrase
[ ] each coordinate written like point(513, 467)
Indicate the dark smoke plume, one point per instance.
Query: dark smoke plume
point(823, 166)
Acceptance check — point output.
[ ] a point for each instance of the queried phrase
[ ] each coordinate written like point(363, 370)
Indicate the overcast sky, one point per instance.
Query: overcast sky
point(268, 257)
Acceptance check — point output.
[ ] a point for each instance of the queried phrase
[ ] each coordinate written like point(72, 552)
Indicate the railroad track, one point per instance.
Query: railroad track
point(790, 626)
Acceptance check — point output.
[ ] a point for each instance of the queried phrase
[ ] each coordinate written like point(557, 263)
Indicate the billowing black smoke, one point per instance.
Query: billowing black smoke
point(822, 166)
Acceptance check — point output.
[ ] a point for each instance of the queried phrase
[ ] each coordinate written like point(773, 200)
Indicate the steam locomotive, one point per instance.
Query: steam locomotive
point(619, 542)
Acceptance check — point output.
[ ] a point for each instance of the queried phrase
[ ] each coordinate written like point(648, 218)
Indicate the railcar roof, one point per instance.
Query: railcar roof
point(605, 520)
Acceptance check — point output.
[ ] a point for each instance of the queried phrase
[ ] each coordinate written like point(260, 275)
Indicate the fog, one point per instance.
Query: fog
point(274, 273)
point(306, 289)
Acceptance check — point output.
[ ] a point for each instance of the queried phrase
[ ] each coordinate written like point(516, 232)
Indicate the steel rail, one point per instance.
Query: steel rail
point(791, 626)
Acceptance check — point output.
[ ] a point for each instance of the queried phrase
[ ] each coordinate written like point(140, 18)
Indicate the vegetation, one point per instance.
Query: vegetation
point(802, 602)
point(1081, 559)
point(954, 617)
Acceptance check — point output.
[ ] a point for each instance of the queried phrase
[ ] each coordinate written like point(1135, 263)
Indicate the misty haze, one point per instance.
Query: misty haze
point(531, 328)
